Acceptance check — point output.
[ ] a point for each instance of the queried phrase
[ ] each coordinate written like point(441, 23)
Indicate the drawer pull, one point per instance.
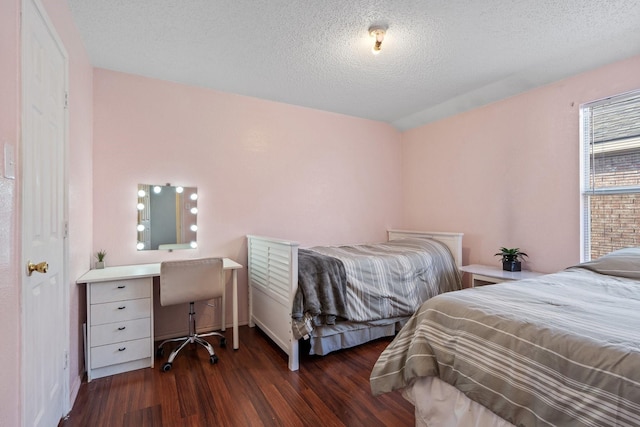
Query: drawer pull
point(122, 328)
point(122, 307)
point(122, 348)
point(121, 287)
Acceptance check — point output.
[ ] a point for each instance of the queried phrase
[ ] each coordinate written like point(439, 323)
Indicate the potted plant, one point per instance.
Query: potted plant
point(511, 258)
point(100, 255)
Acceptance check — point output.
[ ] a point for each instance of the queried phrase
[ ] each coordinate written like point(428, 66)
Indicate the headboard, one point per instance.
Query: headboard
point(452, 240)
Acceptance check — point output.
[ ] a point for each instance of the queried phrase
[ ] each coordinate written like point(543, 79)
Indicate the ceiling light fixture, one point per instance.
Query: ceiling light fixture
point(378, 33)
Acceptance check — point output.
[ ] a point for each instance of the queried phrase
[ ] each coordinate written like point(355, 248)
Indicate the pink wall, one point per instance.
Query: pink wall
point(80, 215)
point(260, 167)
point(512, 170)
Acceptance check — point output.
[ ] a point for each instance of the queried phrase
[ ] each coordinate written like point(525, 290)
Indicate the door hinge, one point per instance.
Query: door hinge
point(66, 100)
point(66, 360)
point(66, 229)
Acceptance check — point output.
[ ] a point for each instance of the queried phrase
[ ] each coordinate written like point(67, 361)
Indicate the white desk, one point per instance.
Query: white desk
point(138, 278)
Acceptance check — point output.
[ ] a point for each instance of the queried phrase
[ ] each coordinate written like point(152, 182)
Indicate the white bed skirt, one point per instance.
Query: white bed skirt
point(439, 404)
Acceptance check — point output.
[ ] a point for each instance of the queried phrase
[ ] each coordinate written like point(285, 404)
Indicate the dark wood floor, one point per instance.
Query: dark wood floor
point(247, 387)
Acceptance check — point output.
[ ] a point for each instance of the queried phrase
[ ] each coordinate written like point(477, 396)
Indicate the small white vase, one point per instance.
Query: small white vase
point(99, 264)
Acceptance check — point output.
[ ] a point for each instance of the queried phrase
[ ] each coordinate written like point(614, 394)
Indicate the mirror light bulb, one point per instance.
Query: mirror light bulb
point(194, 210)
point(142, 193)
point(194, 196)
point(179, 190)
point(194, 227)
point(193, 245)
point(140, 227)
point(157, 189)
point(140, 206)
point(140, 246)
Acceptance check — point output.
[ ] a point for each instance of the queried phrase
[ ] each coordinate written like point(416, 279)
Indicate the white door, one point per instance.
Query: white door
point(44, 295)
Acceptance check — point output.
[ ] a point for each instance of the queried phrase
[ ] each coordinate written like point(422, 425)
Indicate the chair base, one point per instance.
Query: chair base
point(192, 338)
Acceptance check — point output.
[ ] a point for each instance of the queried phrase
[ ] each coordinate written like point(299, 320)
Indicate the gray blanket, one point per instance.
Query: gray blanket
point(322, 284)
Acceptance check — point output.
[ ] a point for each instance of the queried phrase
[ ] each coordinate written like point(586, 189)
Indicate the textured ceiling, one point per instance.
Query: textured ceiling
point(439, 57)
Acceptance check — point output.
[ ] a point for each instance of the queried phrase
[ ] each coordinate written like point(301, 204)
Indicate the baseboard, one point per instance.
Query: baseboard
point(74, 389)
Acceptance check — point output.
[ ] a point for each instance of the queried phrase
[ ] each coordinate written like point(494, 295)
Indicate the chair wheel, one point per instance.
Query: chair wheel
point(213, 359)
point(223, 342)
point(166, 367)
point(160, 353)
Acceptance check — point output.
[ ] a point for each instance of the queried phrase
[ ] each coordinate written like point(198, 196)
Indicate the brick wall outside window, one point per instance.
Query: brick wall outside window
point(615, 218)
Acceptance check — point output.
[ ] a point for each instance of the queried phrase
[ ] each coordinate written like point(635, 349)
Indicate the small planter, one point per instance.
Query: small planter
point(511, 258)
point(511, 265)
point(100, 256)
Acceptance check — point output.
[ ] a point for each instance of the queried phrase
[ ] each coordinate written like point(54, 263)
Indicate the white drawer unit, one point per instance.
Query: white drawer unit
point(119, 353)
point(118, 290)
point(120, 311)
point(116, 332)
point(119, 326)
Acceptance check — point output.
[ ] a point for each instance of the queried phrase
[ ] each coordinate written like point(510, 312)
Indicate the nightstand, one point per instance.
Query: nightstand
point(488, 275)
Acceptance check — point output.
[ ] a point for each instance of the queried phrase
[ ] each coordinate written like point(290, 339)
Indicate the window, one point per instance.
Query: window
point(610, 136)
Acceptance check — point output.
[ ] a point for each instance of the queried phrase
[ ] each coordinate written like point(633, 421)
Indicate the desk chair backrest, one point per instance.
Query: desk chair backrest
point(190, 280)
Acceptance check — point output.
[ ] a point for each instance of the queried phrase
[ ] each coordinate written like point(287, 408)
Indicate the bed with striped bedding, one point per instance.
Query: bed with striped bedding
point(562, 349)
point(391, 279)
point(384, 285)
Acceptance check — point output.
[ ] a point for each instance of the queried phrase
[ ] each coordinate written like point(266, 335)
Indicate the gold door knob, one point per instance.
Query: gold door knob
point(40, 267)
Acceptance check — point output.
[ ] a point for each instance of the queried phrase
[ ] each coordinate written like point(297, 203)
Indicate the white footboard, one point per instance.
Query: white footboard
point(273, 281)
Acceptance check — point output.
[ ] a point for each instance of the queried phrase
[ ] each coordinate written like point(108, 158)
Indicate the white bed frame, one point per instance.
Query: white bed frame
point(273, 281)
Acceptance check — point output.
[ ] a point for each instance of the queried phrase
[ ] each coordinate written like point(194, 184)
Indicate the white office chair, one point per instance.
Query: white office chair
point(190, 281)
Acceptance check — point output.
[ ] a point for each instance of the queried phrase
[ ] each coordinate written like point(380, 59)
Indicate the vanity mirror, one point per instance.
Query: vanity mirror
point(167, 217)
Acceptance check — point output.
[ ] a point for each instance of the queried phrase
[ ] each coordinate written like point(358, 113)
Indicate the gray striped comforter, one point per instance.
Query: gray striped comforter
point(559, 350)
point(392, 279)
